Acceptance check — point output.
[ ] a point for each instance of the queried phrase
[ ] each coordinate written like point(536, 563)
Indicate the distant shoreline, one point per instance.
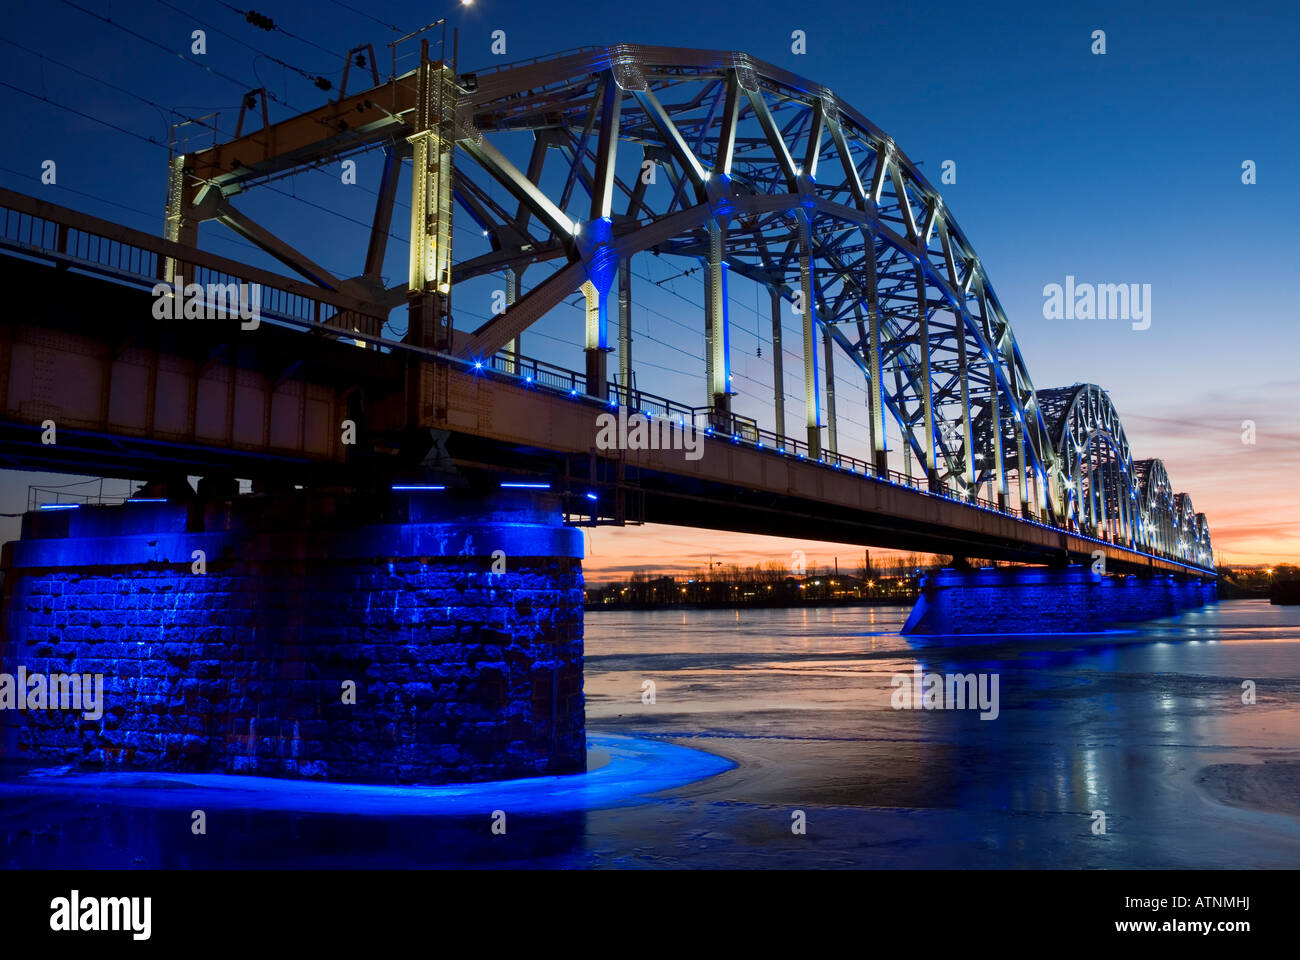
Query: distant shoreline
point(765, 605)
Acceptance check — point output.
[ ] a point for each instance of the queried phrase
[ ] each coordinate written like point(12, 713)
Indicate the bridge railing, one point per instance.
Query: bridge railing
point(46, 231)
point(724, 424)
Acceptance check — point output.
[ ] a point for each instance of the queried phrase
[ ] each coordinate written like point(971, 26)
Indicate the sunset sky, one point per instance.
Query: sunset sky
point(1122, 168)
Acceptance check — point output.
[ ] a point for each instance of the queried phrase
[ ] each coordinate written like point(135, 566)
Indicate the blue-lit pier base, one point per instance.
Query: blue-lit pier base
point(1032, 600)
point(467, 663)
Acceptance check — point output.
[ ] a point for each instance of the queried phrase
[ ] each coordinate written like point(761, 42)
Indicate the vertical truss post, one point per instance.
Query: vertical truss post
point(1021, 467)
point(596, 241)
point(995, 420)
point(625, 326)
point(597, 350)
point(1121, 501)
point(1079, 511)
point(963, 370)
point(432, 148)
point(812, 403)
point(832, 436)
point(879, 452)
point(1106, 530)
point(1091, 526)
point(179, 227)
point(719, 333)
point(778, 370)
point(927, 386)
point(515, 346)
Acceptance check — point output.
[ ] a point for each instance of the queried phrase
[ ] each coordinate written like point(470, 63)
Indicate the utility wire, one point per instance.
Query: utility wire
point(266, 23)
point(362, 13)
point(64, 106)
point(319, 81)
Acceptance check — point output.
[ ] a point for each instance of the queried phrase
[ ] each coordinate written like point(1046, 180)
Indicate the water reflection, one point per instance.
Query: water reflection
point(1126, 723)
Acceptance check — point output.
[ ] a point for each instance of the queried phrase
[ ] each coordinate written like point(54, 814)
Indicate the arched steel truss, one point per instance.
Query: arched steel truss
point(772, 178)
point(1106, 492)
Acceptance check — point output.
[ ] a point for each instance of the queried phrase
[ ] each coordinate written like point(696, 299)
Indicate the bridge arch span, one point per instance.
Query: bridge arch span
point(739, 168)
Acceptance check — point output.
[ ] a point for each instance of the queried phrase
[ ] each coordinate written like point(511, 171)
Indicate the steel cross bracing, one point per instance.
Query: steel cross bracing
point(771, 178)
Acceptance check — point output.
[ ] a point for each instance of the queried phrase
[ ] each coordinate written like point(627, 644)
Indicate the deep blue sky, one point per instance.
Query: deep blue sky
point(1117, 168)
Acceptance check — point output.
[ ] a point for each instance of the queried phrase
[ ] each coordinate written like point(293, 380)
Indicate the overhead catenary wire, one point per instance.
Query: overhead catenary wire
point(319, 81)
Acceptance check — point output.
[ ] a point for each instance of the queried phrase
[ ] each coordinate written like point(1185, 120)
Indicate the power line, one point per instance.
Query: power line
point(362, 13)
point(243, 85)
point(112, 86)
point(319, 81)
point(64, 106)
point(266, 23)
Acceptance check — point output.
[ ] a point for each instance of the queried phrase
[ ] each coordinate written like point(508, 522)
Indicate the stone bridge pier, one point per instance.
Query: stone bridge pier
point(1007, 601)
point(426, 636)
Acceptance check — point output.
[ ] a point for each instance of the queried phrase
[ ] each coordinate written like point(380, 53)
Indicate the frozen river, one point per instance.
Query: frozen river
point(1130, 749)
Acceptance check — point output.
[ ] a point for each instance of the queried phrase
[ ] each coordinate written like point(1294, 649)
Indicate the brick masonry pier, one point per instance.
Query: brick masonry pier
point(467, 663)
point(1027, 600)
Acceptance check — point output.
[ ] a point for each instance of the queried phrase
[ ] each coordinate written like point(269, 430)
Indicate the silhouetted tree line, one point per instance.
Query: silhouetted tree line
point(770, 584)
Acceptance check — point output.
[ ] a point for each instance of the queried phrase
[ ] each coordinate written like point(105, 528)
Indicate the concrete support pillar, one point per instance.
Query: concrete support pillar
point(1019, 600)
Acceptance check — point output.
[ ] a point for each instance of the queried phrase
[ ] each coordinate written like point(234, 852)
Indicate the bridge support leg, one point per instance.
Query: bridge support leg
point(1033, 600)
point(597, 351)
point(808, 293)
point(406, 638)
point(516, 344)
point(718, 368)
point(778, 367)
point(432, 161)
point(832, 434)
point(625, 329)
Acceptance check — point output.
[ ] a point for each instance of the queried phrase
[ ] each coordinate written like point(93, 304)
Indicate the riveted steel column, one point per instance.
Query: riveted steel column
point(515, 346)
point(927, 391)
point(625, 327)
point(832, 442)
point(432, 149)
point(179, 226)
point(879, 451)
point(778, 370)
point(812, 403)
point(968, 470)
point(718, 337)
point(1022, 474)
point(597, 349)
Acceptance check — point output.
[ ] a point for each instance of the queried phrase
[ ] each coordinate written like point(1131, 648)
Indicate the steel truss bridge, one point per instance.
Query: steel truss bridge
point(769, 177)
